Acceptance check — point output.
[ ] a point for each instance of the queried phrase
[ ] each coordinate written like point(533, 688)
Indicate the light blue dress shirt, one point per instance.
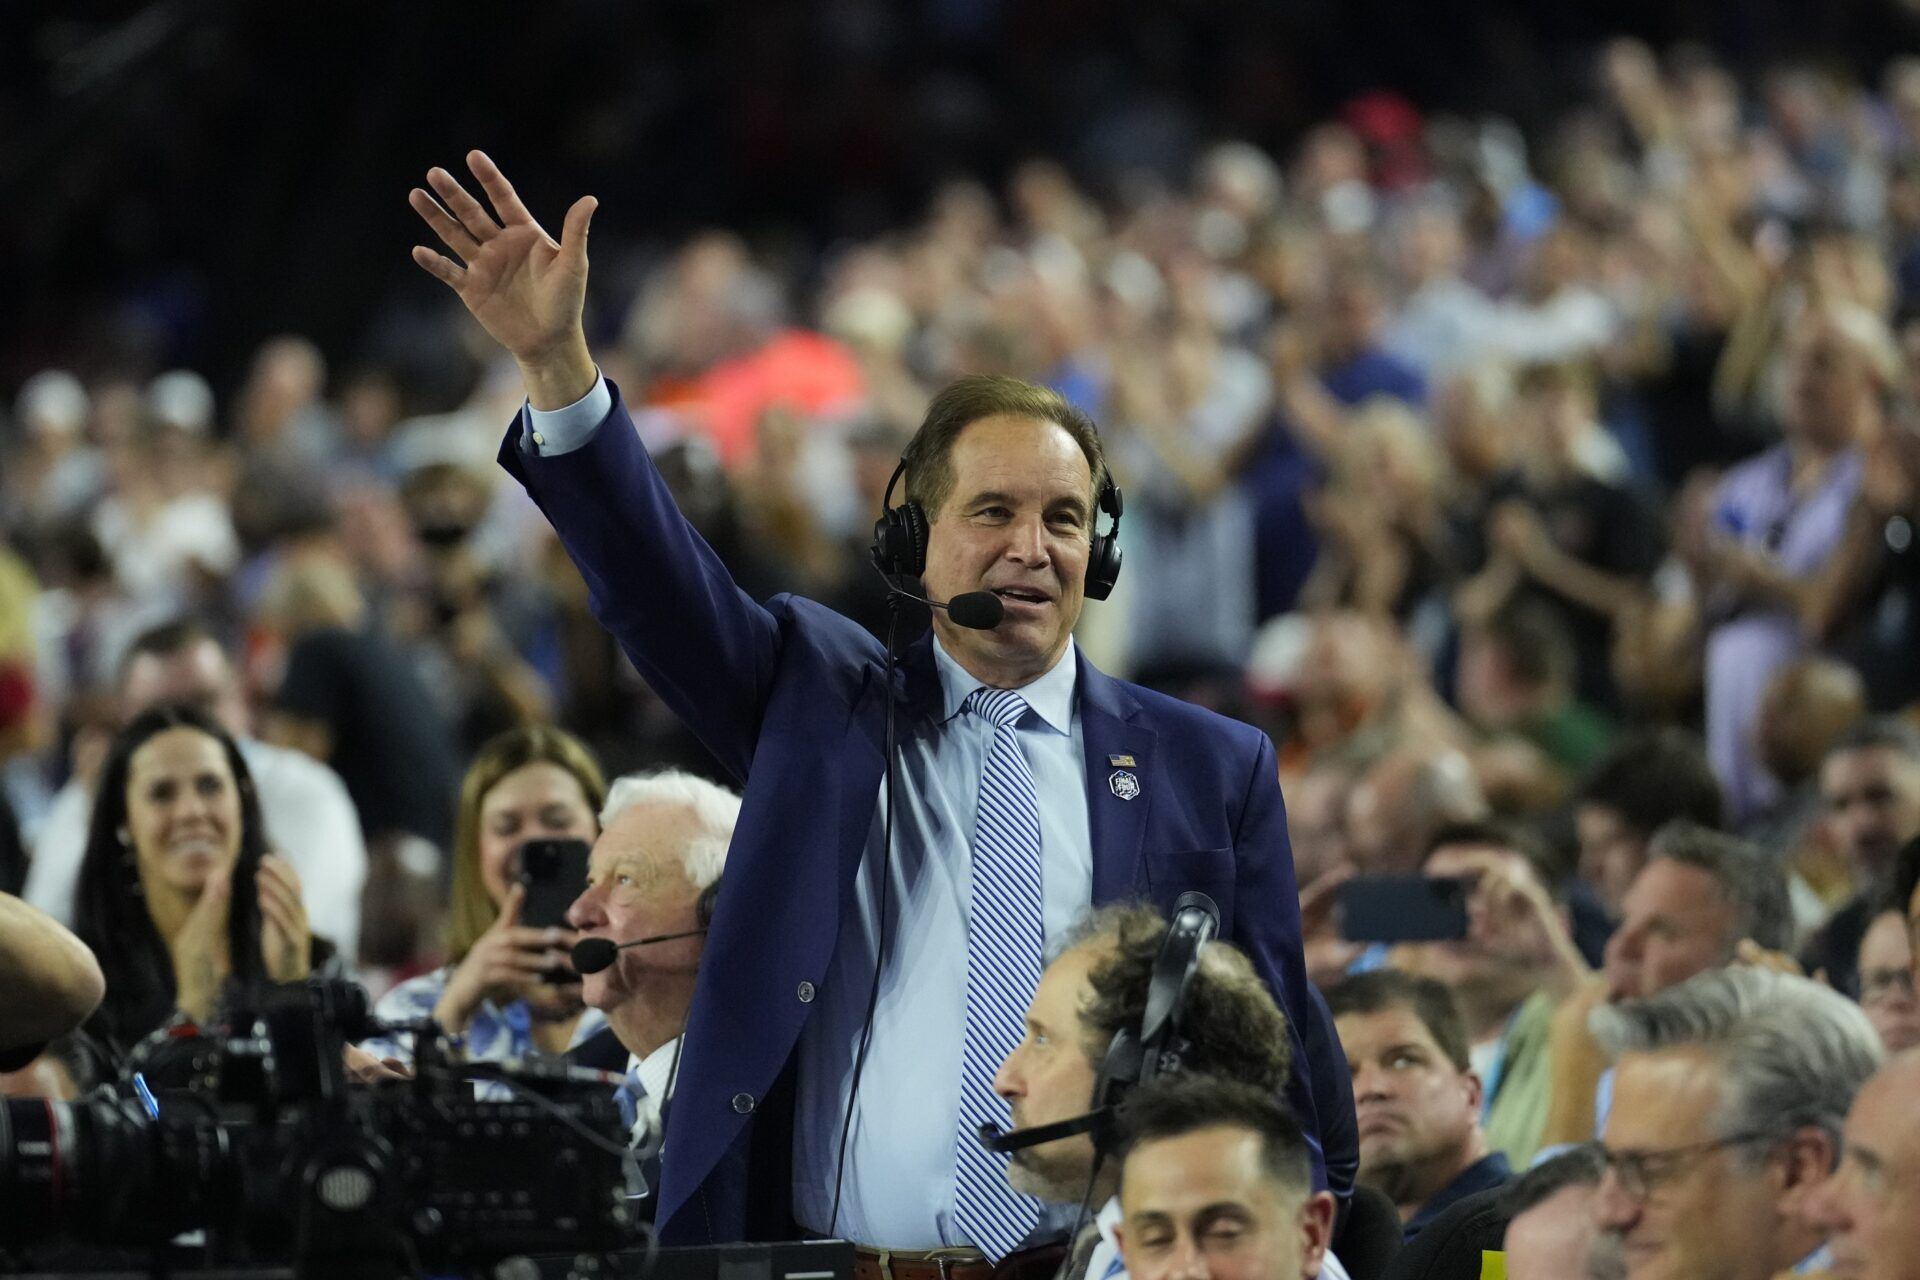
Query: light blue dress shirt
point(558, 431)
point(899, 1184)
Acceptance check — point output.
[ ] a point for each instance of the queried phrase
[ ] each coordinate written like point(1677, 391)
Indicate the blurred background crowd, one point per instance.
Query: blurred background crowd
point(1535, 443)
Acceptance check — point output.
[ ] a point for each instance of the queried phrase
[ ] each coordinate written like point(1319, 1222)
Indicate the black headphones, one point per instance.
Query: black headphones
point(1135, 1057)
point(900, 538)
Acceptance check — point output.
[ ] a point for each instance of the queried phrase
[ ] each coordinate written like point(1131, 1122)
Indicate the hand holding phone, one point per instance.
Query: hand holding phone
point(554, 873)
point(510, 961)
point(1405, 908)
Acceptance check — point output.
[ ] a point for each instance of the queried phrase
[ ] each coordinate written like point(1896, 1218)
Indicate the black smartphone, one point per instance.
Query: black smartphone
point(554, 873)
point(1404, 908)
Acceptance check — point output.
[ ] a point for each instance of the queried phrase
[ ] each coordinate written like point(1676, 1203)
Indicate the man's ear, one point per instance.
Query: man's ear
point(1807, 1160)
point(1476, 1090)
point(1316, 1232)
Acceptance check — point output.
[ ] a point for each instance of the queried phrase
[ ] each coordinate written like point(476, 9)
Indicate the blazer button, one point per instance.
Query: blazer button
point(743, 1103)
point(805, 993)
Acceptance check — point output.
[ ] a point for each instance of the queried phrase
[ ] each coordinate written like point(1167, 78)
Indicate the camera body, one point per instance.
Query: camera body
point(254, 1138)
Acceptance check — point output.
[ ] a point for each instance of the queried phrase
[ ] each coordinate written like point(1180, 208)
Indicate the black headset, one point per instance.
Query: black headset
point(1160, 1047)
point(1135, 1057)
point(900, 538)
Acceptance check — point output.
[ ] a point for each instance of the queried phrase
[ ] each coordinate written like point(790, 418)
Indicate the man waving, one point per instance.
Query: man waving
point(859, 993)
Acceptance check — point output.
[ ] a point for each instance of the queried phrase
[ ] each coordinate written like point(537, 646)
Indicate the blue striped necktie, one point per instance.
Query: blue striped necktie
point(1005, 939)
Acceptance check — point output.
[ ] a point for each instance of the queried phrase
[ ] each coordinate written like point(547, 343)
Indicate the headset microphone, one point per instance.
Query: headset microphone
point(1134, 1057)
point(591, 955)
point(974, 610)
point(899, 552)
point(994, 1138)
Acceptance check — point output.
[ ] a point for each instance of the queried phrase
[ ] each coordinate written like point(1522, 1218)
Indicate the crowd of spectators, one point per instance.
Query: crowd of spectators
point(1552, 507)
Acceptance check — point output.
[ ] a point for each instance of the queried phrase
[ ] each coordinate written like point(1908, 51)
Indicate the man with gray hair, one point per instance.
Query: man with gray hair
point(1732, 1091)
point(1702, 897)
point(1701, 894)
point(653, 873)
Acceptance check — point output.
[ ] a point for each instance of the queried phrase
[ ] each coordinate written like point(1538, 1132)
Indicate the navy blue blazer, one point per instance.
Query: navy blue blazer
point(789, 698)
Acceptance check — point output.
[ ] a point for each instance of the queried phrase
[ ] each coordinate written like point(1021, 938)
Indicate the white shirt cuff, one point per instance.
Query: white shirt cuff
point(551, 432)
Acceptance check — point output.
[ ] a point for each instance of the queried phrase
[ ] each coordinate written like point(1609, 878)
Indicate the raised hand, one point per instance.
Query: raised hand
point(286, 939)
point(506, 963)
point(200, 959)
point(525, 289)
point(1510, 916)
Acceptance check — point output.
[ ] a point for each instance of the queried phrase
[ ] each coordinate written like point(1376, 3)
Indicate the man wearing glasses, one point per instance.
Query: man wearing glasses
point(1886, 978)
point(1730, 1098)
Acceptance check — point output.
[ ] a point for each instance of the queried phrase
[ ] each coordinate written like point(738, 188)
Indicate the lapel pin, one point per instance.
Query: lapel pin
point(1123, 784)
point(1120, 761)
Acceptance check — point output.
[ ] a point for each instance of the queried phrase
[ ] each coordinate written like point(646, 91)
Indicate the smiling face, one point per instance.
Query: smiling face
point(183, 809)
point(1706, 1215)
point(1017, 523)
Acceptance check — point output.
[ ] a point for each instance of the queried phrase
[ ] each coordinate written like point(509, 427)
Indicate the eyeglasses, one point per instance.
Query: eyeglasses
point(1641, 1173)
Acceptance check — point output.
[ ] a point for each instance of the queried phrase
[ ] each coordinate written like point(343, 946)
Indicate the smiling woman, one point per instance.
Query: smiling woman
point(499, 990)
point(178, 892)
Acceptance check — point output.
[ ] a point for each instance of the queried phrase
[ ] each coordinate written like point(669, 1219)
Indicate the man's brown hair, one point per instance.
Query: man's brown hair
point(929, 455)
point(1230, 1021)
point(1379, 990)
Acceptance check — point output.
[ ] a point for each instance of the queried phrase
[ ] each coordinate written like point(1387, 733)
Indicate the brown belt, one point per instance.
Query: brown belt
point(955, 1264)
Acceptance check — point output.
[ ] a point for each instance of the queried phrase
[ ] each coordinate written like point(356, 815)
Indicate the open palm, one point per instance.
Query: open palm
point(525, 289)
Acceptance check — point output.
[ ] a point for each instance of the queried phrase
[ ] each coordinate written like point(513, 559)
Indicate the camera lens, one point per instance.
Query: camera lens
point(102, 1170)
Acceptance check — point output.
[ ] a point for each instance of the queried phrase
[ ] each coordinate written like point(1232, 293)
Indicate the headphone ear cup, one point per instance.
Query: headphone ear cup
point(900, 541)
point(914, 522)
point(885, 539)
point(1103, 566)
point(1119, 1070)
point(1103, 554)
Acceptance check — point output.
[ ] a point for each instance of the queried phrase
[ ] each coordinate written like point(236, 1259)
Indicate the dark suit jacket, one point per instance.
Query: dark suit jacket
point(603, 1051)
point(789, 698)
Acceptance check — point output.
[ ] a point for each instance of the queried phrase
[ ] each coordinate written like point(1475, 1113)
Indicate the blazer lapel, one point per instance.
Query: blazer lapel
point(1119, 795)
point(917, 696)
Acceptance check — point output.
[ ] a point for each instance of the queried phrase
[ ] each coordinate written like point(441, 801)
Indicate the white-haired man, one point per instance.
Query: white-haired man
point(1731, 1094)
point(662, 846)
